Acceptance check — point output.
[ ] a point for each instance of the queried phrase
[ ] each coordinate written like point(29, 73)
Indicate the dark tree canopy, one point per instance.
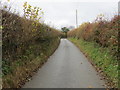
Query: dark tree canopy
point(65, 29)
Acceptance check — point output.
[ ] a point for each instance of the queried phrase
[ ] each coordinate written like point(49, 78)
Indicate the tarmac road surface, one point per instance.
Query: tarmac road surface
point(66, 68)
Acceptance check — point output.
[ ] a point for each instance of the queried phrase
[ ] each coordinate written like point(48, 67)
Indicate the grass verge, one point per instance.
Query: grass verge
point(101, 58)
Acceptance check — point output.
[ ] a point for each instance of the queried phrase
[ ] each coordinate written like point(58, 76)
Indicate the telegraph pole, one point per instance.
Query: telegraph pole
point(76, 19)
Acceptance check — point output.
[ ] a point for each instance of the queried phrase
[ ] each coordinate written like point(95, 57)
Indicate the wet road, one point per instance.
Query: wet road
point(66, 68)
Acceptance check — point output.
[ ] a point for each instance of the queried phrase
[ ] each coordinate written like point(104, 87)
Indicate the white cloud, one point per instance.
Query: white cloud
point(65, 0)
point(60, 13)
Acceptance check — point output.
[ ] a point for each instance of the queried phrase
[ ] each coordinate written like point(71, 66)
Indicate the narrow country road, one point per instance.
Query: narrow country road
point(66, 68)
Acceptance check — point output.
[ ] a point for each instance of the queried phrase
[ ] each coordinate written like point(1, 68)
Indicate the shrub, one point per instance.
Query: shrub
point(19, 33)
point(103, 32)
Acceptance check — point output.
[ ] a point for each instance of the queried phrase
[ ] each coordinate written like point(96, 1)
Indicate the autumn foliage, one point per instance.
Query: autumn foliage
point(101, 31)
point(26, 44)
point(24, 39)
point(18, 33)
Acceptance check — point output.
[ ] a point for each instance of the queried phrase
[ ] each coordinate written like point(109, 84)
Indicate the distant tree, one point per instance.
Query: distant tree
point(65, 30)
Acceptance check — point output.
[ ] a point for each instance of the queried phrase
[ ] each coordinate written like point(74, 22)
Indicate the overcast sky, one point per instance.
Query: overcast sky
point(59, 13)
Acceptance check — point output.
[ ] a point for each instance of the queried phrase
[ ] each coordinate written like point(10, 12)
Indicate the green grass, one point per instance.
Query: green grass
point(100, 57)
